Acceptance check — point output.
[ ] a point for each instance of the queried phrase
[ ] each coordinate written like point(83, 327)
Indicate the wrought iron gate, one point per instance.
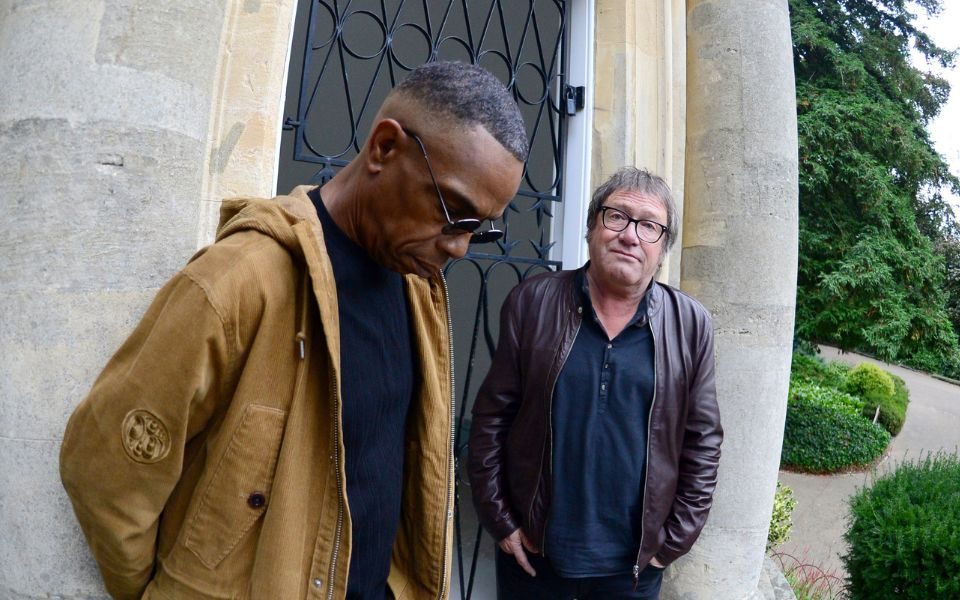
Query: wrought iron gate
point(346, 57)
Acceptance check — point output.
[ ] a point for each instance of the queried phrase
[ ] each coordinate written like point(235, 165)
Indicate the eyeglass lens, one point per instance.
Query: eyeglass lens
point(616, 220)
point(460, 225)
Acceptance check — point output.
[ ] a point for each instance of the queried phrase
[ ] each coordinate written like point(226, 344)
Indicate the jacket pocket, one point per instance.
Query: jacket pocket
point(238, 493)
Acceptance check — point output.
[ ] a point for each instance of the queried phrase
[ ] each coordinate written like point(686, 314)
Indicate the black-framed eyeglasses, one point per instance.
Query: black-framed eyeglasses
point(616, 220)
point(459, 226)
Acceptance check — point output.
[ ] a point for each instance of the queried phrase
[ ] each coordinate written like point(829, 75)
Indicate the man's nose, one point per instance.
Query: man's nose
point(629, 235)
point(456, 246)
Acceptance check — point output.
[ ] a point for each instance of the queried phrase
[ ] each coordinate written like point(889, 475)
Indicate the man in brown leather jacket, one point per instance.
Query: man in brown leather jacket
point(596, 434)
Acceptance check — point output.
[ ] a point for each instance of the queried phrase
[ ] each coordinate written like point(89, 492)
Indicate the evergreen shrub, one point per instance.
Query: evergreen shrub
point(880, 389)
point(904, 533)
point(869, 381)
point(781, 521)
point(819, 438)
point(826, 396)
point(813, 369)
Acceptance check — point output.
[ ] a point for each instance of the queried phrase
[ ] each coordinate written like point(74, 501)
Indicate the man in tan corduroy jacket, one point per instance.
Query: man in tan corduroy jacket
point(213, 457)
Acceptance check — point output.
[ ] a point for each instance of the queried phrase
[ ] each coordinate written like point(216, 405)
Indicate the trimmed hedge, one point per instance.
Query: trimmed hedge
point(867, 379)
point(904, 533)
point(825, 396)
point(821, 439)
point(879, 388)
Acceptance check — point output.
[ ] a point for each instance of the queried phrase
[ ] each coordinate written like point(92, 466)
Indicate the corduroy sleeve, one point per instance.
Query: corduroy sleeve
point(123, 448)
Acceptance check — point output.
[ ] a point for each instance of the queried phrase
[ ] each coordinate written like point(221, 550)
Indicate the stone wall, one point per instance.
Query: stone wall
point(123, 123)
point(104, 112)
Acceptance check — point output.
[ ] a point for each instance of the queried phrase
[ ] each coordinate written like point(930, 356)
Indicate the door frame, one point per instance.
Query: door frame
point(570, 228)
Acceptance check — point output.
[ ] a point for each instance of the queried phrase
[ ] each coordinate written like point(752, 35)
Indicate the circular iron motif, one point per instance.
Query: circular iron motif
point(145, 437)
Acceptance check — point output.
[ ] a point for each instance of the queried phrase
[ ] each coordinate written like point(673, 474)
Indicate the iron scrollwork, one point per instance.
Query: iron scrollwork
point(354, 52)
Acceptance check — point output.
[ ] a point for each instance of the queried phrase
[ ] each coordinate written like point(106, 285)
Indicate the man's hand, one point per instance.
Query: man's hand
point(656, 563)
point(514, 544)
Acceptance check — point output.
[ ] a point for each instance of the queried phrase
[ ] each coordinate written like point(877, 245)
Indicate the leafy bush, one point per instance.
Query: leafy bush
point(830, 397)
point(813, 369)
point(893, 410)
point(900, 391)
point(822, 439)
point(880, 389)
point(869, 382)
point(781, 521)
point(904, 533)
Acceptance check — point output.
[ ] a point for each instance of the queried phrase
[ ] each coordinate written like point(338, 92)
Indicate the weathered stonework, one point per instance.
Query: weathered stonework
point(247, 108)
point(639, 96)
point(123, 123)
point(103, 127)
point(740, 260)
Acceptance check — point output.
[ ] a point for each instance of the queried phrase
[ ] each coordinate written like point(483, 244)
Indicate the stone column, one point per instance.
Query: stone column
point(639, 96)
point(740, 260)
point(104, 109)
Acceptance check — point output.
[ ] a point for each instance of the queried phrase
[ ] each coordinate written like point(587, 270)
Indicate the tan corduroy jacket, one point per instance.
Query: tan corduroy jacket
point(207, 461)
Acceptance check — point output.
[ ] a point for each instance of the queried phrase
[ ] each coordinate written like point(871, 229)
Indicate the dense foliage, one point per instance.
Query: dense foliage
point(869, 381)
point(879, 253)
point(883, 399)
point(829, 397)
point(904, 533)
point(890, 410)
point(810, 368)
point(821, 439)
point(781, 521)
point(830, 411)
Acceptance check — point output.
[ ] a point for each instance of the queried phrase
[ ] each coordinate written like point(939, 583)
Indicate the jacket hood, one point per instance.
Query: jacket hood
point(275, 217)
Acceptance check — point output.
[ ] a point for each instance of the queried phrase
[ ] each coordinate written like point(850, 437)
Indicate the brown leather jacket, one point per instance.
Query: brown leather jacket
point(510, 439)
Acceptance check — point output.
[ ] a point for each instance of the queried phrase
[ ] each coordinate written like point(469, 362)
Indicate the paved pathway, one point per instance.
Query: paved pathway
point(820, 518)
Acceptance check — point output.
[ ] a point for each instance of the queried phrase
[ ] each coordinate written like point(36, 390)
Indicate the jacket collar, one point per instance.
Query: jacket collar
point(652, 300)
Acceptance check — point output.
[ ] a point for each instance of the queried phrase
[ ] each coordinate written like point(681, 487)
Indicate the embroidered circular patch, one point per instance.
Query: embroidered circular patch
point(145, 437)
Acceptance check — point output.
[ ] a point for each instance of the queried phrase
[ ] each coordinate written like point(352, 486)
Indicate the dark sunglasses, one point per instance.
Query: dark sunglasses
point(459, 226)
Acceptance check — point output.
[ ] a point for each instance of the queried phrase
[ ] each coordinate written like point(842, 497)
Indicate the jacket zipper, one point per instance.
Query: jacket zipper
point(453, 433)
point(563, 361)
point(336, 466)
point(646, 461)
point(336, 459)
point(301, 343)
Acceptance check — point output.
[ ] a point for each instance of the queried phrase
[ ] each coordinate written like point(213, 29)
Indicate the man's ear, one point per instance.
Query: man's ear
point(382, 144)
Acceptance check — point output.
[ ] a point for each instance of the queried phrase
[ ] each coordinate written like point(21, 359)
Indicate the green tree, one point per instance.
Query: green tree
point(874, 227)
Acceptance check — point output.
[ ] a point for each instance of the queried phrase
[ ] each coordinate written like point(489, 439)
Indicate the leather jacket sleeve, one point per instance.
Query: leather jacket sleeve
point(495, 408)
point(700, 452)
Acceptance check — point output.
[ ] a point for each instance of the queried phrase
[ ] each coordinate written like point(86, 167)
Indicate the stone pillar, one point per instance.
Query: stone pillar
point(740, 260)
point(104, 110)
point(639, 96)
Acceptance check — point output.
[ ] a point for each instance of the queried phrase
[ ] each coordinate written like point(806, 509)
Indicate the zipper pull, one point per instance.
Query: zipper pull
point(636, 576)
point(300, 338)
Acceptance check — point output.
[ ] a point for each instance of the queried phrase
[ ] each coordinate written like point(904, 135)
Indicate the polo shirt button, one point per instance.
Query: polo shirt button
point(256, 500)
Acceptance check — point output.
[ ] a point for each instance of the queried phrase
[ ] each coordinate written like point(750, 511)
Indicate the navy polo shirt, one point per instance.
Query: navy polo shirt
point(377, 378)
point(601, 407)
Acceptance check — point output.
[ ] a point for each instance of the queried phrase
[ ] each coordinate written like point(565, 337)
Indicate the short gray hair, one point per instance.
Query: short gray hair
point(641, 181)
point(471, 95)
